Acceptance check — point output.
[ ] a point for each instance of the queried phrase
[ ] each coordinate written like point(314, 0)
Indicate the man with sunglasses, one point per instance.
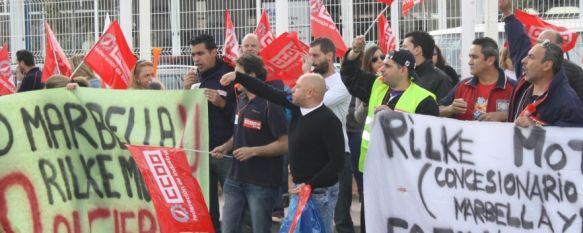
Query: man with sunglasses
point(543, 96)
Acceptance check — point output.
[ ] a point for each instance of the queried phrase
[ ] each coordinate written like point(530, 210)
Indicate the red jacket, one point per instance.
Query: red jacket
point(498, 100)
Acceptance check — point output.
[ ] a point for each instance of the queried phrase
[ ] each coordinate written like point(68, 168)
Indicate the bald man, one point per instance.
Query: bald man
point(314, 140)
point(250, 45)
point(519, 45)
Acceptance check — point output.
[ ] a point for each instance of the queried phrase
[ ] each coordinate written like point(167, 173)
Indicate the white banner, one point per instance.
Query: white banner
point(428, 174)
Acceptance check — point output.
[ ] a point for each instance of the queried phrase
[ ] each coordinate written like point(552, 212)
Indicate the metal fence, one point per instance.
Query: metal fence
point(170, 25)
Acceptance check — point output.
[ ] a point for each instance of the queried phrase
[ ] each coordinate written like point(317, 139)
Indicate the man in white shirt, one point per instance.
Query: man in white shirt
point(321, 60)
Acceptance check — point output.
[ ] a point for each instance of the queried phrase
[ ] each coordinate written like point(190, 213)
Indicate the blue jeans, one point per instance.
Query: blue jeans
point(326, 199)
point(219, 168)
point(241, 195)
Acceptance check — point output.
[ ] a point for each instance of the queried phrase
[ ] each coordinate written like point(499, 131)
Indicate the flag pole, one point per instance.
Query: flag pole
point(78, 66)
point(56, 61)
point(375, 21)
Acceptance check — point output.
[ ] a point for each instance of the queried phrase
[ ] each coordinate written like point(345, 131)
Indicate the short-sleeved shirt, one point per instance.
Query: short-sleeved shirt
point(258, 122)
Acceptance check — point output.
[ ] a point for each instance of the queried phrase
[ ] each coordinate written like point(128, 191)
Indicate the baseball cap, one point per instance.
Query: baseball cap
point(404, 58)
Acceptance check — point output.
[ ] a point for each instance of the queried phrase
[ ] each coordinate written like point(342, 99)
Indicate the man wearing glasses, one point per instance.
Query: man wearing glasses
point(519, 45)
point(543, 96)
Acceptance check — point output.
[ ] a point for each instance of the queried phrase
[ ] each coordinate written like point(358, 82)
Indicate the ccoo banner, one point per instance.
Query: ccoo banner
point(427, 174)
point(64, 166)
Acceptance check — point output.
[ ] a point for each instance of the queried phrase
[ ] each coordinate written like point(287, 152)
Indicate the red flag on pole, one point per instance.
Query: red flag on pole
point(283, 58)
point(408, 4)
point(388, 2)
point(56, 61)
point(176, 194)
point(386, 37)
point(535, 25)
point(321, 25)
point(263, 31)
point(7, 86)
point(111, 58)
point(231, 48)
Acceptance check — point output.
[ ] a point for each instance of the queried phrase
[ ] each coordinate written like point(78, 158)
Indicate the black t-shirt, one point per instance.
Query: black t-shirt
point(258, 122)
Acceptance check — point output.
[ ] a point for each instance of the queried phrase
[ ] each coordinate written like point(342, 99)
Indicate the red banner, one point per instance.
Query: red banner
point(535, 25)
point(231, 48)
point(263, 31)
point(111, 58)
point(408, 4)
point(386, 37)
point(176, 195)
point(56, 61)
point(283, 58)
point(7, 86)
point(388, 2)
point(322, 25)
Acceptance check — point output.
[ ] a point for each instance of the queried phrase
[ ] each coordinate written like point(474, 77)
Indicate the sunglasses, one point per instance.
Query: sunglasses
point(377, 58)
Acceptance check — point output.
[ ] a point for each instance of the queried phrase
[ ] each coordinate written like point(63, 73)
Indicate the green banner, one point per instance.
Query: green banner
point(63, 162)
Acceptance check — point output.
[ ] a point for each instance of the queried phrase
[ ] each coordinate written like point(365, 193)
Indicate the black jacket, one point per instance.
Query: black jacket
point(32, 81)
point(220, 120)
point(558, 106)
point(433, 79)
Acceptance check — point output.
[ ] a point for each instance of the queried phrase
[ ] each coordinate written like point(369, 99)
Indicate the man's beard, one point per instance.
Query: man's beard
point(321, 68)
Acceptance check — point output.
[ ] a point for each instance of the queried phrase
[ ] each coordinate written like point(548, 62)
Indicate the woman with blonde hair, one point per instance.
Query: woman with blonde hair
point(506, 63)
point(142, 75)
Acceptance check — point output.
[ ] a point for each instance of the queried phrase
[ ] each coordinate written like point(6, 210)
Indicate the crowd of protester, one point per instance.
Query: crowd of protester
point(322, 126)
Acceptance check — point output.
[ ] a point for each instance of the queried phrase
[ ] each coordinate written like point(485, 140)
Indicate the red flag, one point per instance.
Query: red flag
point(263, 31)
point(177, 197)
point(111, 58)
point(388, 2)
point(386, 37)
point(283, 58)
point(321, 25)
point(56, 61)
point(408, 4)
point(535, 25)
point(231, 48)
point(7, 86)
